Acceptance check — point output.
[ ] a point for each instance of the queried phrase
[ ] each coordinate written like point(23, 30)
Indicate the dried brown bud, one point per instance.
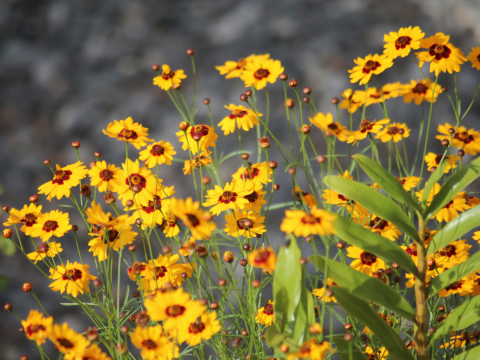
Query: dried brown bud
point(46, 162)
point(305, 129)
point(91, 333)
point(292, 170)
point(5, 208)
point(289, 103)
point(243, 97)
point(109, 198)
point(256, 284)
point(142, 319)
point(27, 287)
point(264, 142)
point(276, 186)
point(32, 199)
point(190, 52)
point(293, 83)
point(21, 329)
point(461, 153)
point(329, 293)
point(86, 190)
point(184, 126)
point(334, 101)
point(245, 156)
point(432, 169)
point(476, 334)
point(228, 257)
point(135, 294)
point(202, 251)
point(389, 272)
point(76, 144)
point(214, 305)
point(206, 101)
point(155, 67)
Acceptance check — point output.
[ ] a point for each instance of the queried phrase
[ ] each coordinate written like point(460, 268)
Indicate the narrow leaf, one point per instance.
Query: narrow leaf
point(365, 314)
point(436, 175)
point(357, 235)
point(456, 228)
point(472, 354)
point(374, 202)
point(364, 287)
point(343, 349)
point(386, 181)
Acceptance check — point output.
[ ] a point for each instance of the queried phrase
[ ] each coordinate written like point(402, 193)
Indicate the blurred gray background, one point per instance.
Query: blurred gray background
point(68, 68)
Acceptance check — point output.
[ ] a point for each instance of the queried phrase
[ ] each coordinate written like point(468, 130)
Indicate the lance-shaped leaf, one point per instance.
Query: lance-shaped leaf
point(364, 287)
point(365, 314)
point(462, 317)
point(387, 181)
point(436, 175)
point(273, 336)
point(367, 240)
point(456, 228)
point(458, 182)
point(344, 351)
point(374, 202)
point(472, 354)
point(449, 276)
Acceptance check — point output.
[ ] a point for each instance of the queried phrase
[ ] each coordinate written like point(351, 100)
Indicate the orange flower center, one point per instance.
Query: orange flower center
point(160, 271)
point(402, 42)
point(310, 219)
point(50, 225)
point(175, 310)
point(440, 51)
point(106, 174)
point(149, 344)
point(196, 327)
point(67, 344)
point(128, 134)
point(261, 73)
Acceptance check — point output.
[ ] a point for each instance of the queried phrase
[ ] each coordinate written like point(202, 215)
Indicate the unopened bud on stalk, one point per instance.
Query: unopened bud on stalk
point(306, 99)
point(228, 257)
point(284, 348)
point(176, 86)
point(305, 130)
point(348, 326)
point(243, 97)
point(129, 203)
point(46, 162)
point(293, 83)
point(248, 93)
point(97, 283)
point(202, 251)
point(24, 357)
point(109, 198)
point(256, 284)
point(273, 165)
point(276, 186)
point(86, 190)
point(92, 333)
point(222, 282)
point(290, 103)
point(283, 77)
point(445, 142)
point(321, 159)
point(264, 142)
point(138, 221)
point(206, 180)
point(444, 89)
point(432, 169)
point(92, 164)
point(214, 305)
point(7, 233)
point(166, 249)
point(303, 261)
point(245, 156)
point(401, 131)
point(206, 101)
point(76, 144)
point(307, 90)
point(97, 154)
point(243, 262)
point(33, 198)
point(334, 101)
point(328, 134)
point(132, 248)
point(292, 170)
point(461, 153)
point(184, 126)
point(190, 52)
point(7, 307)
point(27, 287)
point(197, 137)
point(430, 262)
point(389, 272)
point(5, 208)
point(348, 337)
point(155, 67)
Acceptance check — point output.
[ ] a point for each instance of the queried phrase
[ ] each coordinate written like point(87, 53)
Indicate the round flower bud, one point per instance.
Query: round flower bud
point(432, 169)
point(340, 245)
point(432, 329)
point(228, 257)
point(352, 156)
point(445, 142)
point(244, 332)
point(7, 233)
point(124, 329)
point(303, 261)
point(321, 159)
point(430, 262)
point(24, 357)
point(290, 103)
point(247, 224)
point(21, 329)
point(155, 67)
point(166, 249)
point(176, 86)
point(92, 164)
point(461, 153)
point(396, 279)
point(401, 131)
point(328, 133)
point(203, 301)
point(243, 97)
point(222, 282)
point(283, 76)
point(33, 198)
point(307, 90)
point(329, 293)
point(74, 228)
point(247, 357)
point(27, 287)
point(206, 180)
point(214, 305)
point(243, 262)
point(136, 188)
point(284, 348)
point(132, 248)
point(46, 162)
point(306, 99)
point(129, 203)
point(138, 222)
point(389, 272)
point(97, 154)
point(334, 101)
point(76, 144)
point(293, 83)
point(7, 307)
point(248, 92)
point(184, 275)
point(256, 284)
point(5, 208)
point(441, 308)
point(348, 326)
point(395, 266)
point(273, 165)
point(245, 156)
point(444, 89)
point(246, 247)
point(206, 101)
point(262, 336)
point(97, 283)
point(184, 126)
point(197, 137)
point(276, 186)
point(190, 52)
point(305, 129)
point(348, 337)
point(292, 170)
point(135, 294)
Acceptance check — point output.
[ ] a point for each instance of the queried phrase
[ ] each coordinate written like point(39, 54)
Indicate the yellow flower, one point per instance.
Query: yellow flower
point(263, 258)
point(389, 91)
point(302, 195)
point(370, 65)
point(153, 343)
point(441, 54)
point(421, 90)
point(334, 198)
point(474, 57)
point(194, 217)
point(157, 153)
point(153, 213)
point(169, 78)
point(259, 171)
point(366, 127)
point(234, 69)
point(175, 308)
point(243, 117)
point(105, 177)
point(401, 43)
point(27, 216)
point(67, 340)
point(453, 254)
point(462, 287)
point(93, 352)
point(380, 354)
point(259, 71)
point(349, 102)
point(318, 222)
point(205, 134)
point(468, 140)
point(203, 328)
point(450, 210)
point(36, 326)
point(127, 130)
point(242, 223)
point(169, 225)
point(198, 160)
point(326, 123)
point(395, 131)
point(74, 278)
point(459, 341)
point(189, 247)
point(165, 269)
point(55, 223)
point(255, 196)
point(63, 180)
point(312, 350)
point(379, 226)
point(230, 197)
point(45, 249)
point(409, 182)
point(364, 262)
point(433, 160)
point(321, 293)
point(265, 314)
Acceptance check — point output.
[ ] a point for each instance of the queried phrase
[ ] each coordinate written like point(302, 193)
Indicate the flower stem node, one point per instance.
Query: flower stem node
point(27, 287)
point(7, 307)
point(334, 101)
point(243, 97)
point(33, 198)
point(293, 83)
point(76, 144)
point(305, 129)
point(7, 233)
point(190, 52)
point(256, 284)
point(5, 208)
point(228, 257)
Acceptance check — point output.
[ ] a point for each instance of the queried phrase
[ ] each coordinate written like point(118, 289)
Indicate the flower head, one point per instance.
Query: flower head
point(260, 71)
point(451, 209)
point(370, 65)
point(233, 69)
point(93, 352)
point(193, 217)
point(263, 258)
point(409, 182)
point(265, 314)
point(388, 91)
point(379, 354)
point(364, 262)
point(36, 326)
point(63, 180)
point(197, 138)
point(27, 216)
point(379, 226)
point(367, 127)
point(312, 350)
point(322, 293)
point(326, 123)
point(433, 160)
point(106, 177)
point(260, 172)
point(459, 341)
point(349, 102)
point(153, 343)
point(55, 223)
point(421, 90)
point(169, 78)
point(67, 340)
point(203, 159)
point(474, 57)
point(317, 222)
point(166, 269)
point(73, 277)
point(49, 249)
point(230, 197)
point(127, 130)
point(394, 131)
point(401, 43)
point(243, 223)
point(255, 196)
point(468, 140)
point(203, 328)
point(157, 153)
point(462, 287)
point(241, 116)
point(302, 195)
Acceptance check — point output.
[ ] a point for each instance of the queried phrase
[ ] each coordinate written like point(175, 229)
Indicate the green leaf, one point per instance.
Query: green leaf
point(364, 287)
point(454, 229)
point(374, 202)
point(449, 276)
point(365, 314)
point(457, 182)
point(386, 181)
point(343, 350)
point(7, 246)
point(357, 235)
point(462, 317)
point(273, 336)
point(228, 156)
point(4, 281)
point(472, 354)
point(436, 175)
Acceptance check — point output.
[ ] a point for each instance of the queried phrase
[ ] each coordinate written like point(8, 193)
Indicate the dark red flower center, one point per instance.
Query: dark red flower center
point(366, 125)
point(455, 286)
point(440, 51)
point(149, 344)
point(464, 136)
point(438, 158)
point(252, 197)
point(420, 89)
point(128, 134)
point(227, 197)
point(193, 220)
point(33, 328)
point(449, 251)
point(262, 256)
point(175, 310)
point(237, 113)
point(202, 130)
point(370, 65)
point(250, 173)
point(160, 271)
point(112, 235)
point(261, 73)
point(332, 126)
point(67, 344)
point(60, 176)
point(378, 224)
point(402, 42)
point(50, 225)
point(268, 309)
point(106, 174)
point(196, 327)
point(157, 150)
point(310, 219)
point(29, 219)
point(368, 258)
point(167, 75)
point(72, 274)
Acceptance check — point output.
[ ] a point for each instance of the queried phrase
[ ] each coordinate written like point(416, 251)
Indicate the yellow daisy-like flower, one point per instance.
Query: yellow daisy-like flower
point(263, 258)
point(153, 343)
point(93, 352)
point(153, 213)
point(175, 308)
point(233, 69)
point(243, 117)
point(55, 223)
point(380, 354)
point(459, 341)
point(204, 134)
point(157, 153)
point(462, 287)
point(453, 254)
point(265, 314)
point(318, 222)
point(401, 43)
point(449, 211)
point(138, 184)
point(312, 350)
point(36, 326)
point(169, 225)
point(259, 171)
point(127, 130)
point(169, 78)
point(198, 160)
point(231, 197)
point(379, 226)
point(370, 65)
point(389, 91)
point(302, 195)
point(433, 160)
point(203, 328)
point(326, 123)
point(334, 198)
point(322, 292)
point(420, 90)
point(441, 54)
point(67, 340)
point(247, 224)
point(106, 177)
point(193, 217)
point(474, 57)
point(260, 71)
point(468, 140)
point(367, 127)
point(63, 180)
point(364, 262)
point(349, 102)
point(165, 269)
point(255, 196)
point(409, 182)
point(45, 249)
point(27, 216)
point(395, 131)
point(74, 278)
point(189, 247)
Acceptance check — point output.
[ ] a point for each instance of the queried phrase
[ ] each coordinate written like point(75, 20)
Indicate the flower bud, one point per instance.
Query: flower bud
point(129, 203)
point(7, 307)
point(289, 103)
point(132, 248)
point(308, 238)
point(214, 305)
point(222, 282)
point(245, 156)
point(206, 101)
point(228, 257)
point(334, 101)
point(190, 52)
point(206, 180)
point(307, 90)
point(92, 164)
point(76, 144)
point(348, 337)
point(461, 153)
point(328, 133)
point(284, 348)
point(396, 279)
point(5, 208)
point(24, 357)
point(303, 261)
point(33, 198)
point(248, 92)
point(244, 332)
point(155, 67)
point(176, 86)
point(389, 272)
point(430, 262)
point(444, 89)
point(348, 326)
point(7, 233)
point(256, 284)
point(395, 266)
point(184, 126)
point(321, 159)
point(86, 190)
point(305, 129)
point(197, 137)
point(247, 223)
point(441, 308)
point(97, 154)
point(432, 329)
point(246, 247)
point(292, 170)
point(293, 83)
point(97, 283)
point(445, 142)
point(46, 162)
point(243, 97)
point(136, 188)
point(243, 262)
point(264, 142)
point(276, 186)
point(202, 251)
point(109, 198)
point(27, 287)
point(306, 99)
point(401, 131)
point(283, 77)
point(166, 249)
